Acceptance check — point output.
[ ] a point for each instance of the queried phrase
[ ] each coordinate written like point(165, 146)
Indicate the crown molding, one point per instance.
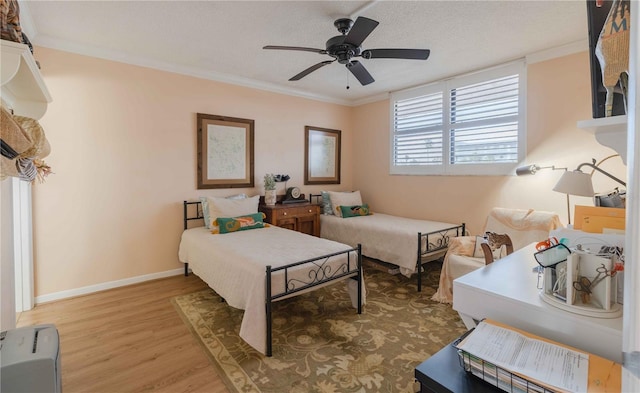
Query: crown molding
point(369, 100)
point(30, 29)
point(112, 55)
point(26, 22)
point(558, 51)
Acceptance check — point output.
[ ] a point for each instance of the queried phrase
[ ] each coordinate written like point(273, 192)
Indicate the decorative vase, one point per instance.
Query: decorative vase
point(270, 197)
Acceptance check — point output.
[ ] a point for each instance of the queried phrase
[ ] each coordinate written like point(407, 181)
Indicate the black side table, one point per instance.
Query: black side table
point(442, 373)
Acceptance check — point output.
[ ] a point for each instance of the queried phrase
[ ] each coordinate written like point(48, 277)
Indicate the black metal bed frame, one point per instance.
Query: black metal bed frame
point(320, 274)
point(434, 241)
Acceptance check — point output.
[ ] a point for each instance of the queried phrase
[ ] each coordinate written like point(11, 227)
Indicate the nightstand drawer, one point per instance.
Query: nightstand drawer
point(296, 211)
point(305, 218)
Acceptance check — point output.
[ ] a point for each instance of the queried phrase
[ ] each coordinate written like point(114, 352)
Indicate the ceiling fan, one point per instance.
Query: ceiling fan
point(343, 48)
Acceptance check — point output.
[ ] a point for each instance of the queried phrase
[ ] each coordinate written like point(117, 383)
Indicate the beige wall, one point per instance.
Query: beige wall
point(124, 155)
point(124, 146)
point(558, 96)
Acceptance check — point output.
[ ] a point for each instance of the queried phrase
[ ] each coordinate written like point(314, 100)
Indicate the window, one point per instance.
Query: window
point(467, 125)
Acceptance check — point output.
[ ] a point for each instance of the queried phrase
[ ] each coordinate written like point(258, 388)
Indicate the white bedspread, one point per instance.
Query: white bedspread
point(234, 266)
point(387, 238)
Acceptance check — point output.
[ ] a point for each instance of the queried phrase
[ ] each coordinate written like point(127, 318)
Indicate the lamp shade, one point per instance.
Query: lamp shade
point(575, 183)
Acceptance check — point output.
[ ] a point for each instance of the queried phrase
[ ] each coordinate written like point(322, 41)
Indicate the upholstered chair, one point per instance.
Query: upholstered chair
point(465, 253)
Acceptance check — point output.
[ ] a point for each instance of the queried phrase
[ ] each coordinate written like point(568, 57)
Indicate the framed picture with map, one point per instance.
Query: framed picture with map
point(225, 152)
point(321, 155)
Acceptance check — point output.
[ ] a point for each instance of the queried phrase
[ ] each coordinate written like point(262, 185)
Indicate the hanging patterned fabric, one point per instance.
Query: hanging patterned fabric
point(10, 21)
point(612, 51)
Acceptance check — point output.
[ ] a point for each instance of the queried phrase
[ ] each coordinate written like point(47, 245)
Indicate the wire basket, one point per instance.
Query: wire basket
point(497, 376)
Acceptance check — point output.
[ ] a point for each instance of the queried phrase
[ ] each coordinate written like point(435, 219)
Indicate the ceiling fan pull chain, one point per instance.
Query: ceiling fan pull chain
point(347, 80)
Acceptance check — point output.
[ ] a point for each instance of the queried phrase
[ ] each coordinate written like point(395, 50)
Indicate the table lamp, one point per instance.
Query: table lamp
point(579, 183)
point(572, 182)
point(575, 183)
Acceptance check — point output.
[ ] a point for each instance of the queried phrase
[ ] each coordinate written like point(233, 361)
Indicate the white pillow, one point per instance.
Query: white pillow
point(205, 207)
point(227, 208)
point(344, 199)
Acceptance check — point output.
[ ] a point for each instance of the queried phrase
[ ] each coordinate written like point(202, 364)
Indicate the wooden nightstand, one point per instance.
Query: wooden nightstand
point(301, 217)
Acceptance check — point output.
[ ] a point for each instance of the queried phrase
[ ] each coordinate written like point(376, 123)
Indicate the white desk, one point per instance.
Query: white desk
point(506, 291)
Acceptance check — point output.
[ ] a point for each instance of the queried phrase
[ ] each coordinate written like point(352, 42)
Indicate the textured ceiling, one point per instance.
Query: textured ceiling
point(223, 40)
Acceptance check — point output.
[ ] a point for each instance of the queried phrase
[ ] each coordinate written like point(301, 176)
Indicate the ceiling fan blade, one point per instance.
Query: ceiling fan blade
point(320, 51)
point(310, 70)
point(360, 30)
point(361, 73)
point(412, 54)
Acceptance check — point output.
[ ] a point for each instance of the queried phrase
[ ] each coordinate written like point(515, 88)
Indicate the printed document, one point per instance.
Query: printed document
point(547, 363)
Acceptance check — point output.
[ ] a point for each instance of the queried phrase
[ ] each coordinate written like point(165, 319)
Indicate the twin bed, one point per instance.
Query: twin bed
point(404, 242)
point(251, 269)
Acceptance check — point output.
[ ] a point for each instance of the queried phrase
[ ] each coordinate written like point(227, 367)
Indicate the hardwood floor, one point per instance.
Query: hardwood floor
point(128, 339)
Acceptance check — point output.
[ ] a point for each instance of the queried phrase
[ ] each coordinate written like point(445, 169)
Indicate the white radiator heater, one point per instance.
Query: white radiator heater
point(30, 360)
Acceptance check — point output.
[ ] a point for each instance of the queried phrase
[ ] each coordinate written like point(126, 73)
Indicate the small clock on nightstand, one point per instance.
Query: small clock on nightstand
point(293, 196)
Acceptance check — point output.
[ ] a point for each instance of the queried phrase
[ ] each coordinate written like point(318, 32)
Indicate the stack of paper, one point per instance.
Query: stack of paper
point(514, 362)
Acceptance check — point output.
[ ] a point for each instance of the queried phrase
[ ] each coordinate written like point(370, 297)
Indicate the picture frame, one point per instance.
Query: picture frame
point(321, 155)
point(225, 152)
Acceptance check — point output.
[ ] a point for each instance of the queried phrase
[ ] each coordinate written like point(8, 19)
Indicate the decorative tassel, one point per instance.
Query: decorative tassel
point(43, 170)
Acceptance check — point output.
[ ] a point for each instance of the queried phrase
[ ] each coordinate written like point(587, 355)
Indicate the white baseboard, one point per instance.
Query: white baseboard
point(106, 285)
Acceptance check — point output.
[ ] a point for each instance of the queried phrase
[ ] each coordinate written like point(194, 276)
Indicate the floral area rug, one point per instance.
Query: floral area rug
point(321, 344)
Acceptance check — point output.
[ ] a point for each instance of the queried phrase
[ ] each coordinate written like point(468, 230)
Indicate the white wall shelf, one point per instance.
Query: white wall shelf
point(24, 91)
point(23, 88)
point(610, 132)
